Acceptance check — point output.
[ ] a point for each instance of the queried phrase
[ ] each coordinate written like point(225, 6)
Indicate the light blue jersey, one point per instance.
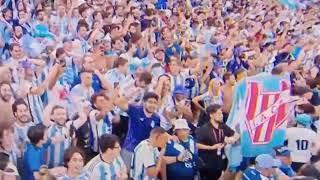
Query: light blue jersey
point(114, 76)
point(56, 151)
point(145, 156)
point(99, 127)
point(83, 176)
point(21, 137)
point(100, 170)
point(35, 103)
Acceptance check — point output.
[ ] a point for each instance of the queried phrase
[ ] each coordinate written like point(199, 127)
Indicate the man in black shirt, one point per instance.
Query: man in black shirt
point(211, 139)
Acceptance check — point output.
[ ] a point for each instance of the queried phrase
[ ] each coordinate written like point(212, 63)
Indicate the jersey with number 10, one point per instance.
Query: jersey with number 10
point(300, 143)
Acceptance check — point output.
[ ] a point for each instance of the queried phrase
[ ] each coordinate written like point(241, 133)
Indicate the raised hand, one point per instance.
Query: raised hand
point(57, 139)
point(122, 174)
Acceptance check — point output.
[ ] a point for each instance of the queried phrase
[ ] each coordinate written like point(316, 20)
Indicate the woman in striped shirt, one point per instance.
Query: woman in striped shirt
point(214, 95)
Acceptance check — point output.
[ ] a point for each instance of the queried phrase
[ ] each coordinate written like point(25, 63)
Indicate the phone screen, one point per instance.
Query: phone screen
point(295, 53)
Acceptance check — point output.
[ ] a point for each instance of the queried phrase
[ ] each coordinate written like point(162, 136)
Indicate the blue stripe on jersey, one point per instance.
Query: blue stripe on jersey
point(61, 150)
point(113, 171)
point(91, 135)
point(102, 172)
point(56, 151)
point(36, 104)
point(52, 147)
point(21, 136)
point(174, 81)
point(106, 127)
point(118, 163)
point(142, 173)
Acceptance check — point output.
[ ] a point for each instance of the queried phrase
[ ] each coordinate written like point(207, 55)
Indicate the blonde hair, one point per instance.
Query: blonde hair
point(210, 88)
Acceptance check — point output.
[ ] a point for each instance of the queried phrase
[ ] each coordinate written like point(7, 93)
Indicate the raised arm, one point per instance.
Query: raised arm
point(104, 82)
point(121, 102)
point(196, 100)
point(51, 79)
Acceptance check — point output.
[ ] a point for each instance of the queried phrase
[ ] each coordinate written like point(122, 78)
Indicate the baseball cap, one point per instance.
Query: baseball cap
point(181, 124)
point(67, 39)
point(167, 13)
point(180, 90)
point(42, 31)
point(304, 119)
point(266, 161)
point(282, 151)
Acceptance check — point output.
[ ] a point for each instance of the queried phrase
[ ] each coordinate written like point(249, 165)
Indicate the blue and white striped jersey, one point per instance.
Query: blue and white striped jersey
point(34, 101)
point(177, 80)
point(83, 176)
point(98, 169)
point(114, 76)
point(188, 81)
point(145, 156)
point(99, 127)
point(56, 151)
point(21, 137)
point(80, 92)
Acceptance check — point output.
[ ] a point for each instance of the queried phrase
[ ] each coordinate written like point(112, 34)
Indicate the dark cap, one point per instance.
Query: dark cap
point(67, 39)
point(282, 151)
point(180, 90)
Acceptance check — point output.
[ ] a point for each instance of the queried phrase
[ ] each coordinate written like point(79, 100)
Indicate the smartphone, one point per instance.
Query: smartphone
point(295, 53)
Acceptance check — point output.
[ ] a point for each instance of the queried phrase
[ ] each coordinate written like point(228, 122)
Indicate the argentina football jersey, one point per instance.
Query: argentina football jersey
point(98, 169)
point(56, 151)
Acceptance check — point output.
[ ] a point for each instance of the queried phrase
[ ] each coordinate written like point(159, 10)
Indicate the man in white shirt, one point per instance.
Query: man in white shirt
point(147, 160)
point(118, 74)
point(301, 141)
point(138, 87)
point(108, 164)
point(83, 90)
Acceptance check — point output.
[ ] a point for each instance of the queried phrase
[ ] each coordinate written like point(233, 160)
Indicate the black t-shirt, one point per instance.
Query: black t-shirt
point(209, 135)
point(84, 136)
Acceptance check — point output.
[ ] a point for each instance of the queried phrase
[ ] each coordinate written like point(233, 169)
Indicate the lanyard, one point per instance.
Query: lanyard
point(218, 136)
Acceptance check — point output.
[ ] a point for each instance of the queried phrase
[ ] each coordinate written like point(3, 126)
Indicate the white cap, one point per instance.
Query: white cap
point(168, 13)
point(181, 124)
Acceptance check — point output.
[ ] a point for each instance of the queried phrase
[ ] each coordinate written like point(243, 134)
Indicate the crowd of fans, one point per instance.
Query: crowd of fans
point(141, 89)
